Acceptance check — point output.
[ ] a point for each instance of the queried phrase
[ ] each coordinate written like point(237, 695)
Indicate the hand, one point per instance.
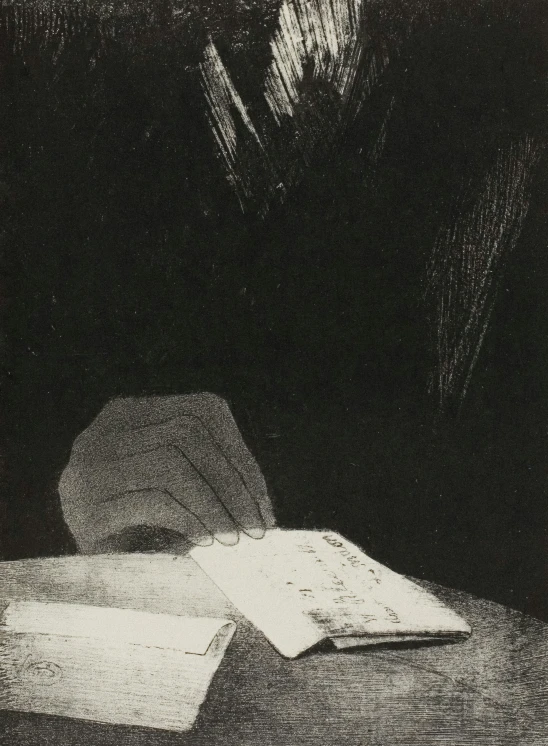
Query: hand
point(176, 463)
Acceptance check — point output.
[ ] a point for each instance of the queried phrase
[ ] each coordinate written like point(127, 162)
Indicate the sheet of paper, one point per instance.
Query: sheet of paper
point(300, 587)
point(109, 665)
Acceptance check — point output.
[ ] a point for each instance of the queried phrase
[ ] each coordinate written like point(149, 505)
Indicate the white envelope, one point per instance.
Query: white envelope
point(108, 665)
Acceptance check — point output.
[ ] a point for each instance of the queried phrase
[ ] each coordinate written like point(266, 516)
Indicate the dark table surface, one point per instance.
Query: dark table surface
point(491, 689)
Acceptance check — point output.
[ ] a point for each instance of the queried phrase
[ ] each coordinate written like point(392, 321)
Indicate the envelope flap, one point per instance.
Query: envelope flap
point(192, 635)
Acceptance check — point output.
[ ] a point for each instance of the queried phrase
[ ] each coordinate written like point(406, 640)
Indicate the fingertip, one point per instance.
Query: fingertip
point(228, 539)
point(255, 532)
point(202, 541)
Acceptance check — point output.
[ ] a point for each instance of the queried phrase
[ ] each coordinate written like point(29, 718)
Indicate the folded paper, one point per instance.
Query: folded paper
point(303, 587)
point(108, 665)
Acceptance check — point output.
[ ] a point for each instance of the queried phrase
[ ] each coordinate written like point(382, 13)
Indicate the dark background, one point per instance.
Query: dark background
point(130, 269)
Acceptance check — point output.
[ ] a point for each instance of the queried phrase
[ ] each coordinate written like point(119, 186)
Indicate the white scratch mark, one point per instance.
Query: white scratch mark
point(378, 146)
point(468, 256)
point(316, 36)
point(223, 98)
point(225, 105)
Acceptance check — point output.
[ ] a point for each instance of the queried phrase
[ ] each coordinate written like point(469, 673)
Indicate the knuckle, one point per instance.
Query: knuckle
point(164, 406)
point(213, 400)
point(186, 425)
point(81, 439)
point(88, 449)
point(111, 409)
point(121, 413)
point(119, 403)
point(82, 442)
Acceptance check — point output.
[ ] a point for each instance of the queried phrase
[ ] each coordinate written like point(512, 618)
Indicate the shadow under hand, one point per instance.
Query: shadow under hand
point(144, 539)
